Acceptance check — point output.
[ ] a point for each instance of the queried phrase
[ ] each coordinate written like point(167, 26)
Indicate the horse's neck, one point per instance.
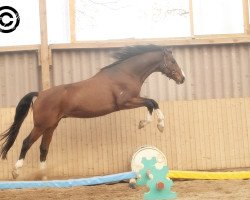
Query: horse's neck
point(141, 66)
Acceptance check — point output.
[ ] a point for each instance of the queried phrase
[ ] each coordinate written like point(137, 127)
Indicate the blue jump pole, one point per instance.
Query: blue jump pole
point(67, 183)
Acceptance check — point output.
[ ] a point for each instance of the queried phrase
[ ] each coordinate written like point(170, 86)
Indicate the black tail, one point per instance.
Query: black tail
point(10, 134)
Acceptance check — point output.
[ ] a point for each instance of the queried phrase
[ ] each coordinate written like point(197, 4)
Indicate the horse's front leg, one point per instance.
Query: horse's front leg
point(160, 117)
point(151, 105)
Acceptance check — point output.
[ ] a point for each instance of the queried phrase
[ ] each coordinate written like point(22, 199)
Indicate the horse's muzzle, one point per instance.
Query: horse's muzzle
point(182, 80)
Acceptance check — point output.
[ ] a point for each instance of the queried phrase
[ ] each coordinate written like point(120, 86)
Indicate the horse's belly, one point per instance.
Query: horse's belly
point(91, 111)
point(88, 114)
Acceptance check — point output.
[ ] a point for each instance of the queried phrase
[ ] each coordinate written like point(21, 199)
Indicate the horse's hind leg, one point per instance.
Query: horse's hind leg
point(27, 143)
point(44, 147)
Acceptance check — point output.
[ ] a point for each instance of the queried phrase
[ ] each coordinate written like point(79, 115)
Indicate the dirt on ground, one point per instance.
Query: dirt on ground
point(188, 190)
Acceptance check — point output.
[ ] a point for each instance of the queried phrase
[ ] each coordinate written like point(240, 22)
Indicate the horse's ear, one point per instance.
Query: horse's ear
point(167, 50)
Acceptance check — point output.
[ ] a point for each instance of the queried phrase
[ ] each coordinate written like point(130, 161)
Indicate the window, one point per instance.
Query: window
point(100, 19)
point(28, 31)
point(58, 21)
point(217, 17)
point(126, 19)
point(104, 19)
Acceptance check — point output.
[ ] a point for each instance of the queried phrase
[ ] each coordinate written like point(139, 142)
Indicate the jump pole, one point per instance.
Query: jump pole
point(202, 175)
point(68, 183)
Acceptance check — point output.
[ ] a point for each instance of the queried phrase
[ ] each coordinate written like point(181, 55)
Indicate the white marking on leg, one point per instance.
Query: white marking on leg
point(145, 122)
point(43, 168)
point(19, 164)
point(43, 165)
point(160, 116)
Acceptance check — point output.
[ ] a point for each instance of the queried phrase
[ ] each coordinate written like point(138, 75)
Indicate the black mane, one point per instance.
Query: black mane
point(130, 51)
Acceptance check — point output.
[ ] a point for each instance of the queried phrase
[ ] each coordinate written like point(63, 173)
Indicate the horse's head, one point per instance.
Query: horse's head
point(170, 68)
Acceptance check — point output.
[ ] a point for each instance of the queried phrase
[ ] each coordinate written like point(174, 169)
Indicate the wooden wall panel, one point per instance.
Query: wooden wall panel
point(199, 135)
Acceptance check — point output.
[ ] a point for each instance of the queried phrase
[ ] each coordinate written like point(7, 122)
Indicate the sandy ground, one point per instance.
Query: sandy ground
point(188, 190)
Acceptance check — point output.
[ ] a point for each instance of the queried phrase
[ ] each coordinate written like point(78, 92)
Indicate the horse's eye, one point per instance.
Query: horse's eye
point(173, 62)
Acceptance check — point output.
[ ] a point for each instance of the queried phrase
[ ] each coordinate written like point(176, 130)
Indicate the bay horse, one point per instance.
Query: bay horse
point(115, 87)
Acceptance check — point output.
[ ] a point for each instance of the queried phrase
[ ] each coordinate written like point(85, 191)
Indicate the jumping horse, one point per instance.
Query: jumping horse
point(115, 87)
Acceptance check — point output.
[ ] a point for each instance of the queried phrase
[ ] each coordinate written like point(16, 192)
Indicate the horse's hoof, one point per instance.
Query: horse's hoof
point(160, 127)
point(15, 174)
point(132, 183)
point(142, 124)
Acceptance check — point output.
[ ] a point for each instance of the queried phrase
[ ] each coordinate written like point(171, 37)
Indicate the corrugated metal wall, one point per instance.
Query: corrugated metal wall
point(76, 65)
point(19, 74)
point(212, 71)
point(199, 135)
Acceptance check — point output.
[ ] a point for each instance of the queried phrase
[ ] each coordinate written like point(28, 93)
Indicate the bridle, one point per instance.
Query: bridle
point(165, 66)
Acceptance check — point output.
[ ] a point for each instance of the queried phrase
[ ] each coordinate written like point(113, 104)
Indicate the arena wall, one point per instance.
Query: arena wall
point(199, 135)
point(207, 118)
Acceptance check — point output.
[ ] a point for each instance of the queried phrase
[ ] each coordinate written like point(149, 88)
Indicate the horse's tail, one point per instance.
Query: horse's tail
point(10, 134)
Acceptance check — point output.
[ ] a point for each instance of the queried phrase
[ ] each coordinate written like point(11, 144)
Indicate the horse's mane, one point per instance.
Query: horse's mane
point(130, 51)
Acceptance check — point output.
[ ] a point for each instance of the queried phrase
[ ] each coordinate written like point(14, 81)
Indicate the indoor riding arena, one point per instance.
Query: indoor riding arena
point(184, 133)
